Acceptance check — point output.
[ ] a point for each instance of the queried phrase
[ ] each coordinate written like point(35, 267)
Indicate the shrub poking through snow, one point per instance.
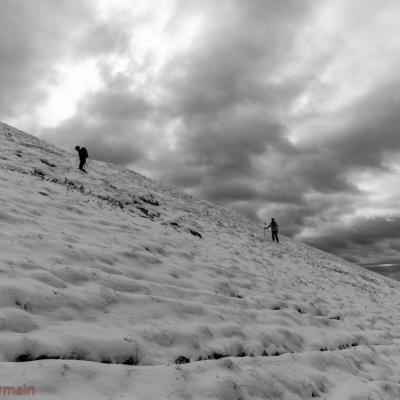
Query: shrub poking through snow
point(182, 360)
point(149, 199)
point(195, 233)
point(149, 213)
point(50, 164)
point(38, 172)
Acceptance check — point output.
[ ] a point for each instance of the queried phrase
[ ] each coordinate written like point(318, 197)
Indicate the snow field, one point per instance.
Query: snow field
point(109, 279)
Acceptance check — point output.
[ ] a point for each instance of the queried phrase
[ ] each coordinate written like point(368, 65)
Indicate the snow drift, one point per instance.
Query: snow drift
point(114, 286)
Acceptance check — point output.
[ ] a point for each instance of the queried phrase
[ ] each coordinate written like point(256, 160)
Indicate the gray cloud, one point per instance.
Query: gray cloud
point(34, 35)
point(104, 37)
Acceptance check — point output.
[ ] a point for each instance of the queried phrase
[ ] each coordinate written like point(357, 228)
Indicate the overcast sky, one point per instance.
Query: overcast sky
point(275, 108)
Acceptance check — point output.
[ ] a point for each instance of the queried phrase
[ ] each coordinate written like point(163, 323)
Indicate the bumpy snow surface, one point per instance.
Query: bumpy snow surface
point(115, 287)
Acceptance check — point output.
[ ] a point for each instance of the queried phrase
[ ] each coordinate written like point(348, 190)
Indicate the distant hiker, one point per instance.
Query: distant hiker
point(83, 155)
point(274, 229)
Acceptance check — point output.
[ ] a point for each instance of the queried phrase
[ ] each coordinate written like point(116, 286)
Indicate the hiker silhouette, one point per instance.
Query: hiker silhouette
point(274, 229)
point(83, 155)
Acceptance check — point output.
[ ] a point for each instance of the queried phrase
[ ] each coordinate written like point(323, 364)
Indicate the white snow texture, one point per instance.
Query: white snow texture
point(113, 286)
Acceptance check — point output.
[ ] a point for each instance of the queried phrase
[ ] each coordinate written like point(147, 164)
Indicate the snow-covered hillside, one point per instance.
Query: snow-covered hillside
point(115, 287)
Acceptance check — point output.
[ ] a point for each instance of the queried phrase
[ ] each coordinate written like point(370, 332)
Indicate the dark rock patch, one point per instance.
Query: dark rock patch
point(195, 233)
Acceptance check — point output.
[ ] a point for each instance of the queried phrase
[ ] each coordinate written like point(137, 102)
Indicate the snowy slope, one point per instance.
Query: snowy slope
point(110, 283)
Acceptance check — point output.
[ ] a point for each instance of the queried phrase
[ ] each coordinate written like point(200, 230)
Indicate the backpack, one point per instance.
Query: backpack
point(84, 153)
point(274, 226)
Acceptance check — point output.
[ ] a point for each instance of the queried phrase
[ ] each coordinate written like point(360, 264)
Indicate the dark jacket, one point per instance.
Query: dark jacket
point(83, 154)
point(273, 225)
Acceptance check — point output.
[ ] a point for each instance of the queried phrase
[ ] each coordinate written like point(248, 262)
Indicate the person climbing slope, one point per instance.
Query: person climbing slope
point(274, 229)
point(83, 156)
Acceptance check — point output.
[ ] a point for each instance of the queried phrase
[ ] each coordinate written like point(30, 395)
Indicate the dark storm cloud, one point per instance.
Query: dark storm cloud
point(226, 146)
point(232, 63)
point(370, 132)
point(323, 172)
point(225, 92)
point(373, 129)
point(362, 239)
point(33, 35)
